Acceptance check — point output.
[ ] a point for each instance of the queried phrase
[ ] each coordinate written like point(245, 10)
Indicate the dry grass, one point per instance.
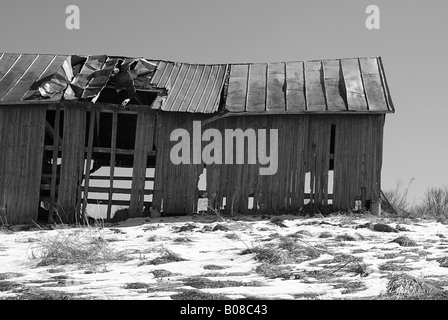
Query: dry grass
point(443, 262)
point(162, 273)
point(136, 285)
point(408, 286)
point(273, 271)
point(75, 246)
point(182, 240)
point(197, 295)
point(393, 266)
point(214, 267)
point(205, 283)
point(167, 257)
point(269, 255)
point(405, 242)
point(345, 237)
point(325, 234)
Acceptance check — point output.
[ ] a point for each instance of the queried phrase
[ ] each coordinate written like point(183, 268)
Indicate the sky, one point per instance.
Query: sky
point(412, 41)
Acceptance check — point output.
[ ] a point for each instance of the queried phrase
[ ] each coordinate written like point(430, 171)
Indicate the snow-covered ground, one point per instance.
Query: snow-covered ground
point(345, 259)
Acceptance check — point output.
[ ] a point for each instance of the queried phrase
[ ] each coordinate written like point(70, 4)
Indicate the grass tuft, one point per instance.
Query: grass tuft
point(75, 246)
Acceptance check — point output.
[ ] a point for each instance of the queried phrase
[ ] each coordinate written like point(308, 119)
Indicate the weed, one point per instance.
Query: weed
point(197, 295)
point(136, 285)
point(167, 257)
point(76, 246)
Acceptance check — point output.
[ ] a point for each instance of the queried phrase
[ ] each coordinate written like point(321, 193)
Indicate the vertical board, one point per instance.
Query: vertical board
point(71, 164)
point(21, 142)
point(143, 140)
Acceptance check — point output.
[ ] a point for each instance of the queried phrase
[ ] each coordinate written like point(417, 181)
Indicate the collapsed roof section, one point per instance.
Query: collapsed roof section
point(85, 77)
point(321, 86)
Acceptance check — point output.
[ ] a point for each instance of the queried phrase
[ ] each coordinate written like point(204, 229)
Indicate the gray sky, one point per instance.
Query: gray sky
point(412, 42)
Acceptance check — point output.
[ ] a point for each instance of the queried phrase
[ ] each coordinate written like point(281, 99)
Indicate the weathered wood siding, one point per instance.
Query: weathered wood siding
point(22, 130)
point(303, 146)
point(175, 186)
point(144, 141)
point(72, 163)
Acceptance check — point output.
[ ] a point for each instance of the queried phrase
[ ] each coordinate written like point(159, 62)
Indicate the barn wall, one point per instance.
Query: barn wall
point(22, 130)
point(175, 186)
point(304, 147)
point(304, 150)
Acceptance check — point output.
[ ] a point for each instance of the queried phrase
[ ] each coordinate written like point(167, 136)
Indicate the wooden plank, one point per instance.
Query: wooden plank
point(81, 141)
point(54, 163)
point(35, 158)
point(237, 89)
point(87, 176)
point(106, 190)
point(148, 142)
point(3, 134)
point(116, 178)
point(276, 87)
point(333, 85)
point(74, 120)
point(114, 202)
point(256, 96)
point(315, 98)
point(295, 86)
point(356, 98)
point(133, 208)
point(112, 161)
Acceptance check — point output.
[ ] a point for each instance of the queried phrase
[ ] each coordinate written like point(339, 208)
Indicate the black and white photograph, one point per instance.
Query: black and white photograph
point(223, 156)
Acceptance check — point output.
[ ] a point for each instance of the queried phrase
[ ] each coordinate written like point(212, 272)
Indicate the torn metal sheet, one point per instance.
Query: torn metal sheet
point(91, 79)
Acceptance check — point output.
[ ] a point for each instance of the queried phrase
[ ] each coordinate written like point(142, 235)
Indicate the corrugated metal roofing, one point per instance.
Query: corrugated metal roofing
point(21, 74)
point(322, 86)
point(325, 86)
point(190, 87)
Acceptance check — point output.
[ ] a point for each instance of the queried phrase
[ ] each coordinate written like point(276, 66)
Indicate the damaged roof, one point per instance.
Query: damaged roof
point(323, 86)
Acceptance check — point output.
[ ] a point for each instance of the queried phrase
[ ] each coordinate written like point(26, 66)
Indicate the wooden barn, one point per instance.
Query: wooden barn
point(64, 118)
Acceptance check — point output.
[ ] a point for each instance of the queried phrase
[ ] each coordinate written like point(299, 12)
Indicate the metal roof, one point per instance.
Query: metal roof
point(355, 85)
point(323, 86)
point(21, 74)
point(190, 87)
